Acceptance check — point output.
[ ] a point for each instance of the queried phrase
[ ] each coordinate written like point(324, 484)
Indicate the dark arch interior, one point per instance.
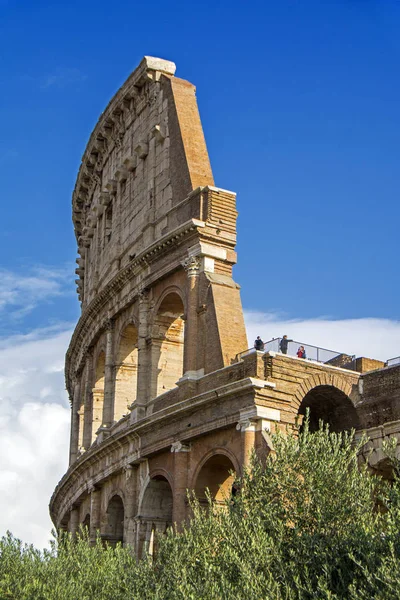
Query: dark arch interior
point(157, 500)
point(332, 406)
point(216, 475)
point(86, 522)
point(115, 521)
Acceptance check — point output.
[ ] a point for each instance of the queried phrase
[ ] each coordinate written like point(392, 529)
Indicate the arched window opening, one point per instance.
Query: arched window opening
point(114, 530)
point(216, 475)
point(98, 394)
point(384, 469)
point(108, 224)
point(126, 374)
point(155, 514)
point(86, 523)
point(332, 406)
point(167, 345)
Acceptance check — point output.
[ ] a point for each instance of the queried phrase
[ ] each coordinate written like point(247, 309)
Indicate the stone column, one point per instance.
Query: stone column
point(74, 521)
point(138, 408)
point(192, 267)
point(180, 482)
point(88, 401)
point(130, 504)
point(109, 376)
point(248, 434)
point(95, 508)
point(75, 422)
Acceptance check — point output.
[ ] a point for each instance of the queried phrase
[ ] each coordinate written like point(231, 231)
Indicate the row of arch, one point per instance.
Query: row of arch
point(161, 361)
point(155, 507)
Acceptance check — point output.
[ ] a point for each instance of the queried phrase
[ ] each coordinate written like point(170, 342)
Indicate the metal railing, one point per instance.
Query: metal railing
point(322, 355)
point(393, 361)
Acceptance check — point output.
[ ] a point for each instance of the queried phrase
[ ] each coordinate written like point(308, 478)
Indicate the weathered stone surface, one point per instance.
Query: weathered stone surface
point(160, 400)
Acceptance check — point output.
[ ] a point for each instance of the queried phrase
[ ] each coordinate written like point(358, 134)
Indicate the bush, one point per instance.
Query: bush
point(306, 524)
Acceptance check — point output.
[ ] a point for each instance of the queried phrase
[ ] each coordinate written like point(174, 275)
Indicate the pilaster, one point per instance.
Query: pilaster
point(138, 408)
point(130, 504)
point(88, 401)
point(74, 521)
point(109, 376)
point(95, 508)
point(75, 423)
point(192, 268)
point(180, 481)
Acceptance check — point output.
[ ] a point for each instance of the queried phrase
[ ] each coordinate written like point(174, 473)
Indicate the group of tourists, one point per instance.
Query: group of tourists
point(283, 346)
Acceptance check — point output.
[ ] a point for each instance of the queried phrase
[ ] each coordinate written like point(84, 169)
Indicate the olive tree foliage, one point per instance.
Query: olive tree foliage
point(307, 523)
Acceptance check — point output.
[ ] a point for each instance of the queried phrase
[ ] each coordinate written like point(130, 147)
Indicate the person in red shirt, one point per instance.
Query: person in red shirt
point(301, 353)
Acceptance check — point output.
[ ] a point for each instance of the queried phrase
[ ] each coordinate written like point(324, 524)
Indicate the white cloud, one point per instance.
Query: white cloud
point(63, 77)
point(21, 293)
point(34, 431)
point(372, 338)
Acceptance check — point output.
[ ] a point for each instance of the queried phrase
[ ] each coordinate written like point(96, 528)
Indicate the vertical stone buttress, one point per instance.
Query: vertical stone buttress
point(109, 376)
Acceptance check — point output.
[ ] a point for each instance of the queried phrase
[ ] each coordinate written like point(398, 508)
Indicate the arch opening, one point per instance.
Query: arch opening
point(126, 371)
point(98, 394)
point(167, 345)
point(332, 406)
point(114, 530)
point(216, 475)
point(155, 514)
point(86, 523)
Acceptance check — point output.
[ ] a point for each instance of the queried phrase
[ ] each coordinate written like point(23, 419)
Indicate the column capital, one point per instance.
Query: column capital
point(109, 324)
point(246, 425)
point(143, 295)
point(179, 447)
point(92, 488)
point(191, 265)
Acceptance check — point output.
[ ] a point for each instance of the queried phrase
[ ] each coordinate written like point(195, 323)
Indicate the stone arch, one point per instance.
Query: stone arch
point(155, 512)
point(115, 518)
point(126, 369)
point(98, 392)
point(329, 379)
point(214, 473)
point(170, 289)
point(330, 404)
point(167, 345)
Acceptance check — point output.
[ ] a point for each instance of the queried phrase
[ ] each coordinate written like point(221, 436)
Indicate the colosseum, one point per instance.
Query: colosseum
point(165, 395)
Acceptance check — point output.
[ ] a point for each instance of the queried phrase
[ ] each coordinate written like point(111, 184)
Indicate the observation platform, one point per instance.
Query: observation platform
point(321, 355)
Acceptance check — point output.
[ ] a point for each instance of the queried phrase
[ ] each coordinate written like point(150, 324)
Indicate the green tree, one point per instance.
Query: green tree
point(307, 523)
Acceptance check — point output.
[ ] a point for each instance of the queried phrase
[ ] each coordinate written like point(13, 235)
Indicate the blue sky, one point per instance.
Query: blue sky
point(300, 107)
point(299, 103)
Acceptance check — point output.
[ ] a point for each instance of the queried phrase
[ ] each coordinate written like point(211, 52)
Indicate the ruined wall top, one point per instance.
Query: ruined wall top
point(144, 157)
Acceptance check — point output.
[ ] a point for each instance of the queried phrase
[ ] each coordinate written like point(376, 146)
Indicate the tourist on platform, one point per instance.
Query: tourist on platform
point(259, 344)
point(283, 346)
point(301, 352)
